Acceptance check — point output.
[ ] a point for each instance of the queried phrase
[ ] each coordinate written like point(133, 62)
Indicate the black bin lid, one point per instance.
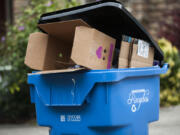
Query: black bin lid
point(109, 17)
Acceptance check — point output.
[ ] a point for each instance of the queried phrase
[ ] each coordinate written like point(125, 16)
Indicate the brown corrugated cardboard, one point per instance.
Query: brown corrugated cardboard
point(43, 52)
point(92, 49)
point(139, 61)
point(35, 57)
point(57, 71)
point(63, 30)
point(124, 55)
point(51, 51)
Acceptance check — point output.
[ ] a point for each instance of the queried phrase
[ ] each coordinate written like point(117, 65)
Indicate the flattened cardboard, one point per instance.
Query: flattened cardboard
point(124, 55)
point(56, 71)
point(92, 48)
point(138, 61)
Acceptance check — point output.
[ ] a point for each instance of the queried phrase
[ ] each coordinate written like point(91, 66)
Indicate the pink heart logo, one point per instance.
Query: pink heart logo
point(99, 52)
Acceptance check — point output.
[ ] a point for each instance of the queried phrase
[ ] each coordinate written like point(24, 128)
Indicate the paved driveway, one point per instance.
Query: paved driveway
point(169, 124)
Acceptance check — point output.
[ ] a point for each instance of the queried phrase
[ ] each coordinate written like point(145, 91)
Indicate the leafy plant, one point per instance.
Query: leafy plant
point(170, 82)
point(13, 72)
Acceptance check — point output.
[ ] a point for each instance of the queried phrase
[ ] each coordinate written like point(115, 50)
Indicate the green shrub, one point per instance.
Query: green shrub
point(170, 82)
point(13, 72)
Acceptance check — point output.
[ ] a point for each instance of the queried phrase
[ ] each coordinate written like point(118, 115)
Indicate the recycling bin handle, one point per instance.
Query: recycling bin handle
point(142, 72)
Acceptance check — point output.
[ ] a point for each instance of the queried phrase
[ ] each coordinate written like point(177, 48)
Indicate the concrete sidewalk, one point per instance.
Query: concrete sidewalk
point(169, 124)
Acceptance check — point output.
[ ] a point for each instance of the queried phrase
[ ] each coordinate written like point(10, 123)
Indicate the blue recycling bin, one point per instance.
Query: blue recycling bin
point(97, 102)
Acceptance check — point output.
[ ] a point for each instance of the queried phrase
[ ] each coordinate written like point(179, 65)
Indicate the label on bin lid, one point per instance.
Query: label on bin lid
point(143, 49)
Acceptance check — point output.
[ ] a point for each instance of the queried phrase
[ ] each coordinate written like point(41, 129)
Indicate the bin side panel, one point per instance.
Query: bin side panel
point(130, 100)
point(76, 86)
point(135, 100)
point(62, 89)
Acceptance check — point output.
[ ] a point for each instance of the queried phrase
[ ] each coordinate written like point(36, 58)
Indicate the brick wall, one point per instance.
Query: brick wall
point(152, 12)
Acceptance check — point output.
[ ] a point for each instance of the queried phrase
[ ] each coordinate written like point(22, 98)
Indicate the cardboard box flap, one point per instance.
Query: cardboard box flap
point(57, 71)
point(35, 50)
point(63, 30)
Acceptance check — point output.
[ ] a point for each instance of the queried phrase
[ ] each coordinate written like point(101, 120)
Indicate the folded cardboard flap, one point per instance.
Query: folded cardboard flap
point(63, 30)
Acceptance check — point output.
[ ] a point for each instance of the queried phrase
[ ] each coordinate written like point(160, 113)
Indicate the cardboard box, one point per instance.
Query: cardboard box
point(135, 53)
point(142, 55)
point(125, 51)
point(69, 43)
point(124, 55)
point(92, 49)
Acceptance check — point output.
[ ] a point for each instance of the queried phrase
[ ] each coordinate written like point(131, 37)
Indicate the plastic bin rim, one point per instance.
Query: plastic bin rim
point(114, 70)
